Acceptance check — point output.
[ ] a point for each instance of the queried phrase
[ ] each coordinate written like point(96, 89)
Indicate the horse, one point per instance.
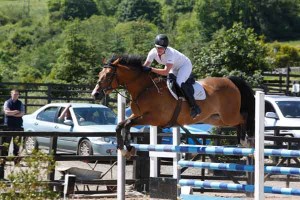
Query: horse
point(229, 101)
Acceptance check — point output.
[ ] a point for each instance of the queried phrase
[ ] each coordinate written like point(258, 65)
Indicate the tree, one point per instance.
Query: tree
point(77, 61)
point(107, 7)
point(131, 10)
point(72, 9)
point(187, 36)
point(236, 51)
point(28, 183)
point(183, 6)
point(212, 16)
point(279, 20)
point(275, 19)
point(136, 37)
point(284, 55)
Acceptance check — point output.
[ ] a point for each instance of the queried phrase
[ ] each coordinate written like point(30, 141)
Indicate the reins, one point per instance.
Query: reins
point(125, 85)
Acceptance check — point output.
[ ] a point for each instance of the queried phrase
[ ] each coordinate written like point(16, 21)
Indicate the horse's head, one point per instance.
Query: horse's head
point(115, 73)
point(107, 81)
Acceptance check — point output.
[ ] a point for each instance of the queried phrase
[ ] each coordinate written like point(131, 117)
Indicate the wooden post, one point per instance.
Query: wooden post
point(52, 149)
point(287, 90)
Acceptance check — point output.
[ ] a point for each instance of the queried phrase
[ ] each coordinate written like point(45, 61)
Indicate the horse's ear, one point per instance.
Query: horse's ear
point(116, 61)
point(103, 60)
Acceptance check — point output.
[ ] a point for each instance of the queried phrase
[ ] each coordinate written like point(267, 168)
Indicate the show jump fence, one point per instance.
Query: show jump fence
point(174, 151)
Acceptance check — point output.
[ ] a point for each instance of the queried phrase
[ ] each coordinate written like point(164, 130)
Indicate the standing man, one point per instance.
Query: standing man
point(14, 110)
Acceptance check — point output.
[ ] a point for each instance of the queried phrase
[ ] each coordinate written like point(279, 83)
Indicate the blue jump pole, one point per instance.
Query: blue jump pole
point(215, 150)
point(237, 187)
point(237, 167)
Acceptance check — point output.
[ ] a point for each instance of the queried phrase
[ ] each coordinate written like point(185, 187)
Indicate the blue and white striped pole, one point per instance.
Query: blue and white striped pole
point(237, 167)
point(237, 187)
point(215, 150)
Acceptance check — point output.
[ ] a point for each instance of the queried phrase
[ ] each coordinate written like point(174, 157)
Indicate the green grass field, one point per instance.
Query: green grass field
point(295, 43)
point(36, 8)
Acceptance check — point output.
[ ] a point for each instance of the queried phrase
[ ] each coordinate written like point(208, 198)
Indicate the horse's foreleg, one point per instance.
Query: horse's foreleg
point(130, 149)
point(120, 141)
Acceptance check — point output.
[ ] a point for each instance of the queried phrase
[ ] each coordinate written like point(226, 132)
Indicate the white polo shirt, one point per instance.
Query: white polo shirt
point(171, 56)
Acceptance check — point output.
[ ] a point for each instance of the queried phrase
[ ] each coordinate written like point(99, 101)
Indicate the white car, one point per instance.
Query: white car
point(85, 118)
point(283, 111)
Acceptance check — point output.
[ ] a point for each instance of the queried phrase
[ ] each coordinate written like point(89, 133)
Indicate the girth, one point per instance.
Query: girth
point(176, 112)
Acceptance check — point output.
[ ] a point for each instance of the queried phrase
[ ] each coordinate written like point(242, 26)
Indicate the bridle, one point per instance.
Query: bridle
point(113, 75)
point(110, 78)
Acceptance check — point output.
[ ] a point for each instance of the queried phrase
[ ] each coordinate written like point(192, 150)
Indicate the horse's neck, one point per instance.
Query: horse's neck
point(140, 85)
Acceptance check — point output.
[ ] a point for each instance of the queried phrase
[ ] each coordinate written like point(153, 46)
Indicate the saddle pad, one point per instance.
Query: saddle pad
point(199, 92)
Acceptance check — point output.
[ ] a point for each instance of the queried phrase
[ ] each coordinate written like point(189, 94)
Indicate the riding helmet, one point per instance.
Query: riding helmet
point(161, 40)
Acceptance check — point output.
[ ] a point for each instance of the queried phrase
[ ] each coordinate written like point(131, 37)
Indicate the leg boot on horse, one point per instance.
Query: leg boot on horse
point(130, 150)
point(188, 92)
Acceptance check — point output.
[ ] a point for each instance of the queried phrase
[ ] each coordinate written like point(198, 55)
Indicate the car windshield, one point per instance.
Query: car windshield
point(289, 109)
point(88, 116)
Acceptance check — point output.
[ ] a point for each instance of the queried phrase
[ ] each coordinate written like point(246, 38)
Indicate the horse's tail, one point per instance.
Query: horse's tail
point(247, 103)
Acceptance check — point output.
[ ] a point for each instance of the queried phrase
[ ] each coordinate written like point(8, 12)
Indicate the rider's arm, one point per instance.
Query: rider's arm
point(165, 71)
point(147, 63)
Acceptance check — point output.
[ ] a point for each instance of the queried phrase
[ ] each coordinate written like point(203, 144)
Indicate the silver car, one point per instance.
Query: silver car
point(84, 118)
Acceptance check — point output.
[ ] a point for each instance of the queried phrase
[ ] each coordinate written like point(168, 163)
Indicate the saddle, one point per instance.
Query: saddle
point(196, 88)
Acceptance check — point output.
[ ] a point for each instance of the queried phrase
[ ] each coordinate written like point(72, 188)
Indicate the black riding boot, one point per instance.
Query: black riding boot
point(188, 92)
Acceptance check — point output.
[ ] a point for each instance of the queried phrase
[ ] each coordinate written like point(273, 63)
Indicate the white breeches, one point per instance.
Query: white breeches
point(182, 73)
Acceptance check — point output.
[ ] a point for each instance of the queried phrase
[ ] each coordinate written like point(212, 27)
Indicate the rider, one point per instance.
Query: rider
point(176, 63)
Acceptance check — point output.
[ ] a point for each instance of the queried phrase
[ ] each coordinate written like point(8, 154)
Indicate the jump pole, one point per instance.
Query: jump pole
point(259, 146)
point(121, 159)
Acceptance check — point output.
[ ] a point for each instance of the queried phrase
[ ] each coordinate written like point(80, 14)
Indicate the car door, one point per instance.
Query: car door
point(68, 144)
point(45, 122)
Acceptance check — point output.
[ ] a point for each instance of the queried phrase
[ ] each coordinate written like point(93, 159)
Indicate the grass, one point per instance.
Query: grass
point(295, 43)
point(36, 8)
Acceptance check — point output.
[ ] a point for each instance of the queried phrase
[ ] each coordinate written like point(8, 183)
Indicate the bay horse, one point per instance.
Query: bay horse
point(229, 101)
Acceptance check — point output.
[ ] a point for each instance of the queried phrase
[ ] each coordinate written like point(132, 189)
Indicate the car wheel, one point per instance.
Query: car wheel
point(85, 148)
point(30, 144)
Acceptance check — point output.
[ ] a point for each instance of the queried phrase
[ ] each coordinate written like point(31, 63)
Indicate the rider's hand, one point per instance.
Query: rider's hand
point(146, 69)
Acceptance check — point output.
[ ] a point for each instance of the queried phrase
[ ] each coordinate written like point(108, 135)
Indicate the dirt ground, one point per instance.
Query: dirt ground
point(131, 194)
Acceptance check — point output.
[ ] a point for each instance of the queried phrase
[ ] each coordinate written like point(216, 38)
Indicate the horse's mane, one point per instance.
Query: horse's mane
point(128, 60)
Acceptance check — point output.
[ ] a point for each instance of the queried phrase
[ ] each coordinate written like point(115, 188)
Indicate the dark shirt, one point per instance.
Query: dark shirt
point(11, 121)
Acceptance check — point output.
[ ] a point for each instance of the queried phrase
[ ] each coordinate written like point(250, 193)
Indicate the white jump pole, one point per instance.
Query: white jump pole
point(121, 159)
point(259, 146)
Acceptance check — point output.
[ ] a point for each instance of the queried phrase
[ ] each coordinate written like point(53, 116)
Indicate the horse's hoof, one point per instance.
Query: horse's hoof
point(243, 143)
point(251, 155)
point(244, 158)
point(128, 155)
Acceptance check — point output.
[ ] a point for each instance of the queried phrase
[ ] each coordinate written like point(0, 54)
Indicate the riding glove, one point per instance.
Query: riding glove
point(147, 69)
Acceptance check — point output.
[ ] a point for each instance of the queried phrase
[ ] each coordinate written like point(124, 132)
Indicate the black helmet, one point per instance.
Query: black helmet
point(161, 40)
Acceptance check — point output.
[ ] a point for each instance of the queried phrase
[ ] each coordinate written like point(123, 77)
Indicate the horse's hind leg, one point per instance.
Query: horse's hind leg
point(241, 135)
